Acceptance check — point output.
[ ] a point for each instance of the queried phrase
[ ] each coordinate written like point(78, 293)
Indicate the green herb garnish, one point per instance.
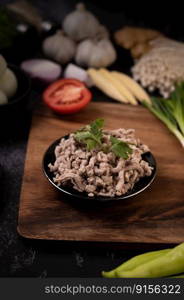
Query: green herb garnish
point(91, 136)
point(171, 111)
point(120, 148)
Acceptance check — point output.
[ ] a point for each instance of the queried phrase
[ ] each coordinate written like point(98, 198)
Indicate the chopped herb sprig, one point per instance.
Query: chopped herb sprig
point(120, 148)
point(91, 135)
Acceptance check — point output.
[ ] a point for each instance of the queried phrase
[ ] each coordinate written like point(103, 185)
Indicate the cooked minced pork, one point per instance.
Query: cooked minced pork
point(98, 173)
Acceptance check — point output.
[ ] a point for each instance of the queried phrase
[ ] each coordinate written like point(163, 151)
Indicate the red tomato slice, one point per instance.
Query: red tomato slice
point(67, 96)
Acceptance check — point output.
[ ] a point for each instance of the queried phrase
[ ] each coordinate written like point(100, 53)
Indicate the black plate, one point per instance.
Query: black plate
point(140, 186)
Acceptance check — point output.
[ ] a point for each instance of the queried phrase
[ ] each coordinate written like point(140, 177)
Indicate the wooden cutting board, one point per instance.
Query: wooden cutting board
point(154, 216)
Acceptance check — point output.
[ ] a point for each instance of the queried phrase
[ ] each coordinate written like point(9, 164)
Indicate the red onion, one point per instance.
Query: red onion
point(42, 69)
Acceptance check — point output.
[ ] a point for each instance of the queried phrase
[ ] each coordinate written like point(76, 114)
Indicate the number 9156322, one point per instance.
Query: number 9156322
point(158, 289)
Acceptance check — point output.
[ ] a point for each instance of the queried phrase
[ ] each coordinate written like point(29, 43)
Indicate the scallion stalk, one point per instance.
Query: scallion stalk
point(170, 112)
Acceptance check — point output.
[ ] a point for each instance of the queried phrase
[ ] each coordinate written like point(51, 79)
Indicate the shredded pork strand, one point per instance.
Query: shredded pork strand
point(98, 173)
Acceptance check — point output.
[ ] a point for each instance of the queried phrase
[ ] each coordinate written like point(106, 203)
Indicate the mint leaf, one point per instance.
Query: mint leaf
point(120, 148)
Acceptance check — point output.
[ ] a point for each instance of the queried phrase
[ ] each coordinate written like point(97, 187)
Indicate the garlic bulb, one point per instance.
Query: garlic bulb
point(3, 98)
point(8, 83)
point(80, 24)
point(95, 53)
point(3, 65)
point(59, 47)
point(102, 32)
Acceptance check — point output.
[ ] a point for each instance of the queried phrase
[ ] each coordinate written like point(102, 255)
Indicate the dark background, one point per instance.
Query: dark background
point(20, 257)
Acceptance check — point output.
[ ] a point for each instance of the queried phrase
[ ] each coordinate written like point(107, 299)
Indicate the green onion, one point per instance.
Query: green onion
point(171, 111)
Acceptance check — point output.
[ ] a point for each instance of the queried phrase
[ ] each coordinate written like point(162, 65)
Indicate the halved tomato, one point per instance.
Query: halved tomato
point(67, 96)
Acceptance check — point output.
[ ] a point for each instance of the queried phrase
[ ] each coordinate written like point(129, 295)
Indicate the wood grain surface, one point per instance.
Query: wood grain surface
point(154, 216)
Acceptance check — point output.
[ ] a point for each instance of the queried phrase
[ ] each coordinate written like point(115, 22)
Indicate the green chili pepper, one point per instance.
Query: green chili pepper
point(135, 262)
point(166, 265)
point(179, 276)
